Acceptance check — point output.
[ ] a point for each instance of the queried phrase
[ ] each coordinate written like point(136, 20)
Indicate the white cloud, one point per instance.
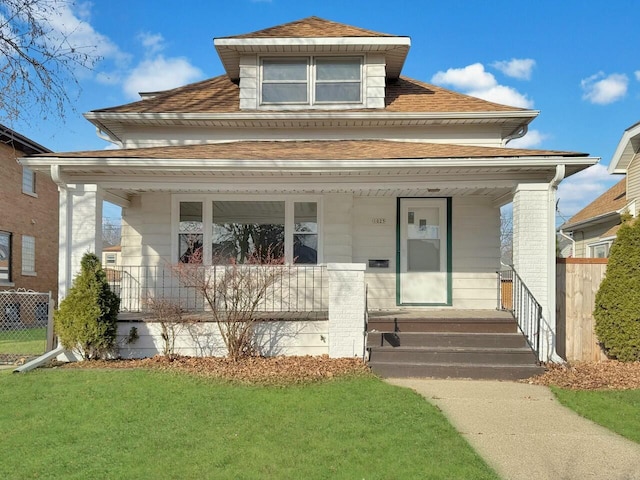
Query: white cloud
point(471, 77)
point(476, 81)
point(519, 68)
point(504, 95)
point(603, 90)
point(577, 191)
point(533, 138)
point(637, 73)
point(160, 73)
point(152, 42)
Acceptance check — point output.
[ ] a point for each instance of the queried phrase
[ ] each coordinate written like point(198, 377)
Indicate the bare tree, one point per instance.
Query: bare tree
point(506, 236)
point(38, 61)
point(111, 232)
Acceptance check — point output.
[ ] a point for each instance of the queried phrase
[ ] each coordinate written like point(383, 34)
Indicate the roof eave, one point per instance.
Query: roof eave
point(598, 219)
point(625, 151)
point(230, 49)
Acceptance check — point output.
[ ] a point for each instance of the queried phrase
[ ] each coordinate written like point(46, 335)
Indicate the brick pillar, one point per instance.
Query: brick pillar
point(80, 230)
point(534, 253)
point(346, 309)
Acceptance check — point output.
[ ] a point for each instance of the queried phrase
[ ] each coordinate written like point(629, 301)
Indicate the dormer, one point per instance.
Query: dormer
point(312, 64)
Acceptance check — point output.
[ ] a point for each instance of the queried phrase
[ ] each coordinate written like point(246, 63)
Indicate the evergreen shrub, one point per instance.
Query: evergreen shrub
point(617, 306)
point(86, 319)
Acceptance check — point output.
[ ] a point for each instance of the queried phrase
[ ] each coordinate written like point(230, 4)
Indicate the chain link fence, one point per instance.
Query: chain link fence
point(26, 325)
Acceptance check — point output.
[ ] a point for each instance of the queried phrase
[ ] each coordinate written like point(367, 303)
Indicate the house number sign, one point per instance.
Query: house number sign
point(379, 221)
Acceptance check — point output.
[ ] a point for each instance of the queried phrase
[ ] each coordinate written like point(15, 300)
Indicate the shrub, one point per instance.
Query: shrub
point(617, 307)
point(86, 319)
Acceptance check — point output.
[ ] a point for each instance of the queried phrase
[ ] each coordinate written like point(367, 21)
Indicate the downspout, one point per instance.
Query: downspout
point(551, 277)
point(108, 137)
point(519, 134)
point(573, 242)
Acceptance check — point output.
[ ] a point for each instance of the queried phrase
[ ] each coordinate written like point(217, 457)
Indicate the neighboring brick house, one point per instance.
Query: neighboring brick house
point(28, 219)
point(594, 228)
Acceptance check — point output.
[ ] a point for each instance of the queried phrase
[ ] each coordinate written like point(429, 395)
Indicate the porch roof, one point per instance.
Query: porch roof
point(315, 150)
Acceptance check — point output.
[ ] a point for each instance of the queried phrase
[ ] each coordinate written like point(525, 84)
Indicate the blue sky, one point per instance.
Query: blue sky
point(575, 61)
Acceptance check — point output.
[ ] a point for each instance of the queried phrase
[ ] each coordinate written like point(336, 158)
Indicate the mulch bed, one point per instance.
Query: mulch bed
point(250, 370)
point(608, 375)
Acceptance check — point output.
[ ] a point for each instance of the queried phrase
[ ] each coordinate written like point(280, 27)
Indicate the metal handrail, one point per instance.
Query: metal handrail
point(515, 296)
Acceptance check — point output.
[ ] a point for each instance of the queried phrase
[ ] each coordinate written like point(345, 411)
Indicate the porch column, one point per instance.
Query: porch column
point(346, 309)
point(534, 254)
point(80, 230)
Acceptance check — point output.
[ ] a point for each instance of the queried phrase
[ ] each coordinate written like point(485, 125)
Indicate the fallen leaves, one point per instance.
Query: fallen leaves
point(607, 375)
point(249, 370)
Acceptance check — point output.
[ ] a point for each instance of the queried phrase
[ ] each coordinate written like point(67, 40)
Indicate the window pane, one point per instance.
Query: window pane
point(247, 231)
point(423, 255)
point(338, 92)
point(305, 249)
point(284, 70)
point(334, 69)
point(284, 92)
point(28, 254)
point(5, 256)
point(190, 231)
point(28, 180)
point(306, 217)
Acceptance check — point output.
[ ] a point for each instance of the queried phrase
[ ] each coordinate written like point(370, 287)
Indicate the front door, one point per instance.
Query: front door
point(423, 251)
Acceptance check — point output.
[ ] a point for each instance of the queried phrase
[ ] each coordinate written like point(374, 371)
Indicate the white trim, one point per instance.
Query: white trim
point(622, 150)
point(380, 41)
point(600, 242)
point(306, 164)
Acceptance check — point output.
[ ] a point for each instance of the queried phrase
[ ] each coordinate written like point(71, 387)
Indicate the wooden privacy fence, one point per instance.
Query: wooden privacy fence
point(577, 282)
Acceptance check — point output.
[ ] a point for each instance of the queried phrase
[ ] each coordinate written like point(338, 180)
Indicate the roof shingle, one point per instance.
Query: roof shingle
point(315, 150)
point(311, 27)
point(221, 95)
point(610, 201)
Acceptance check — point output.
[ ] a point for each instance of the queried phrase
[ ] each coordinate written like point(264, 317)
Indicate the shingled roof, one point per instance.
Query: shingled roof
point(220, 95)
point(312, 27)
point(610, 201)
point(316, 150)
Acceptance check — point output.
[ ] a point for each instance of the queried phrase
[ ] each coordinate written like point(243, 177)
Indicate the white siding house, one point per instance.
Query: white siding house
point(369, 180)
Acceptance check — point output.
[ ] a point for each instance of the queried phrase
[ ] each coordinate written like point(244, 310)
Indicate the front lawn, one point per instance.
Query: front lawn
point(61, 423)
point(617, 410)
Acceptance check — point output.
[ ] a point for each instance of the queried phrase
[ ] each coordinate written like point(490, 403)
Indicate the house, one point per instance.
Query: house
point(593, 229)
point(29, 220)
point(313, 144)
point(111, 256)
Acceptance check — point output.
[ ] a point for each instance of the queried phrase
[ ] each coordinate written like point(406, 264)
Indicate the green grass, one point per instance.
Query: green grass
point(616, 410)
point(79, 424)
point(31, 341)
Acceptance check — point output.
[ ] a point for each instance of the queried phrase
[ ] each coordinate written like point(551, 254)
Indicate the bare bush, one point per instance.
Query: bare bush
point(234, 293)
point(169, 316)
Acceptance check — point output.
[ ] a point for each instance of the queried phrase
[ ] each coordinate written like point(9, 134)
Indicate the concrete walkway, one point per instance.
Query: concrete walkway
point(523, 432)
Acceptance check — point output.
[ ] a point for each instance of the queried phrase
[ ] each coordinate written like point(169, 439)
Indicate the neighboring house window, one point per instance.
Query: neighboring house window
point(110, 259)
point(311, 80)
point(242, 230)
point(5, 257)
point(28, 255)
point(28, 181)
point(600, 250)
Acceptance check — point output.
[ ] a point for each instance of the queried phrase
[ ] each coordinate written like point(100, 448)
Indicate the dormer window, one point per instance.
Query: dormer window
point(311, 80)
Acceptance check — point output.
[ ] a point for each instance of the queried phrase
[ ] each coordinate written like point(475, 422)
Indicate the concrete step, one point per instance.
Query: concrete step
point(457, 355)
point(467, 325)
point(454, 370)
point(445, 339)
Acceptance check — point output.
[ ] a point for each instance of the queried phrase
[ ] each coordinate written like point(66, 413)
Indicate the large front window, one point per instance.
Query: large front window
point(223, 231)
point(311, 80)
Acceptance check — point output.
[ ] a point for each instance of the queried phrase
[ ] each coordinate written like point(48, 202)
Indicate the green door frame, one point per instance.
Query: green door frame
point(449, 254)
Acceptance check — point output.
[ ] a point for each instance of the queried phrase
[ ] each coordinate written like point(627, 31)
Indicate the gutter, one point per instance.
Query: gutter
point(552, 355)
